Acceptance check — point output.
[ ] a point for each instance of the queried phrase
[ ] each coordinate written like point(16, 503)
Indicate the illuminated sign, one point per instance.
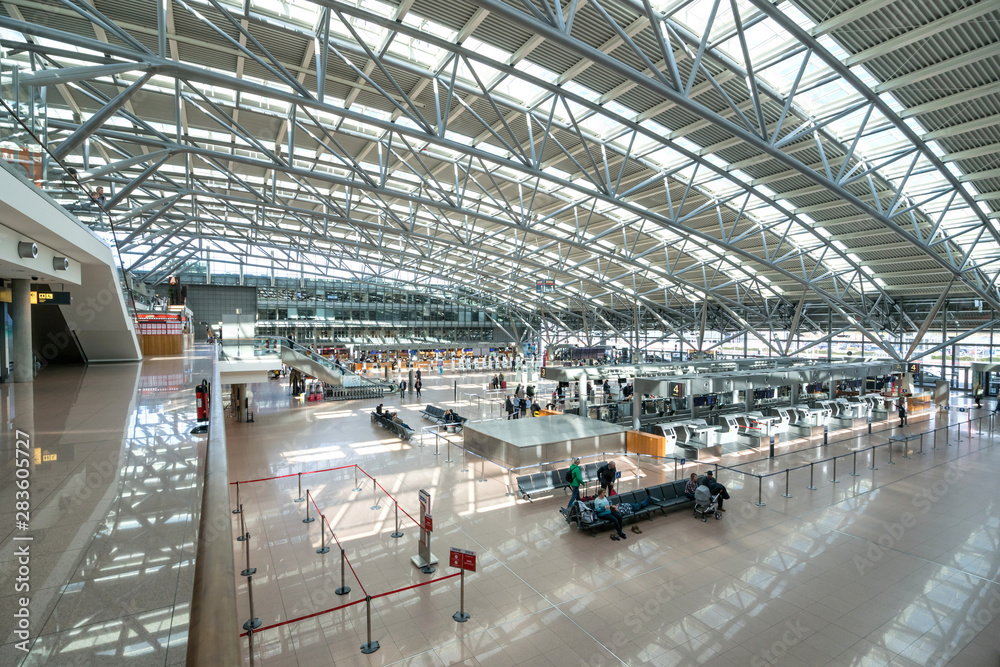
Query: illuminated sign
point(676, 390)
point(51, 298)
point(913, 368)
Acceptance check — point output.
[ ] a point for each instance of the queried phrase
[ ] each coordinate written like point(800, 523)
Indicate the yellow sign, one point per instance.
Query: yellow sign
point(44, 457)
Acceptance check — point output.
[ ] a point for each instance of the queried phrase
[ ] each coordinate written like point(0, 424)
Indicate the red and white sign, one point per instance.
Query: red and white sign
point(462, 559)
point(428, 523)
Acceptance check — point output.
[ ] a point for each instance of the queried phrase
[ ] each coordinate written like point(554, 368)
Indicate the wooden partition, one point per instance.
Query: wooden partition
point(637, 442)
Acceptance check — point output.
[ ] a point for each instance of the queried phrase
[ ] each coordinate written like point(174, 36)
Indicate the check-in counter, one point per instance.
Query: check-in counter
point(808, 422)
point(690, 437)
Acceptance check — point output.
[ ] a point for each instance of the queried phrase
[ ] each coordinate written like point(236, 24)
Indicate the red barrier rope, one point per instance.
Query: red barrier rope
point(304, 472)
point(423, 583)
point(302, 618)
point(348, 560)
point(351, 604)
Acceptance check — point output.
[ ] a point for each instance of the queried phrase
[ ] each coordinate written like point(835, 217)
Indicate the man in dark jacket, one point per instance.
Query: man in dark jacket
point(606, 476)
point(509, 407)
point(902, 414)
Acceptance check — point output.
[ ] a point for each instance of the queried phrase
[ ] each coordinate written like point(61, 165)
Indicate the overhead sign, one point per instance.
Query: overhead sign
point(913, 368)
point(462, 559)
point(51, 298)
point(676, 390)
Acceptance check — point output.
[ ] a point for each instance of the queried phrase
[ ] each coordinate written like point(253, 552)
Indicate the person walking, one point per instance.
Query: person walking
point(509, 407)
point(402, 388)
point(417, 386)
point(902, 414)
point(575, 480)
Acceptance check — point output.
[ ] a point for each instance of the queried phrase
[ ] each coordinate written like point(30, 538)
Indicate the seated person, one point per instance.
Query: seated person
point(715, 489)
point(378, 409)
point(450, 417)
point(606, 510)
point(690, 487)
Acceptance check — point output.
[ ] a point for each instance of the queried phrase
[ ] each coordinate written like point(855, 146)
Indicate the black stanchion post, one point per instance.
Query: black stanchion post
point(826, 433)
point(890, 454)
point(854, 472)
point(323, 549)
point(760, 483)
point(786, 494)
point(308, 518)
point(344, 588)
point(716, 472)
point(871, 459)
point(300, 498)
point(396, 534)
point(253, 622)
point(461, 615)
point(239, 507)
point(370, 646)
point(834, 479)
point(811, 486)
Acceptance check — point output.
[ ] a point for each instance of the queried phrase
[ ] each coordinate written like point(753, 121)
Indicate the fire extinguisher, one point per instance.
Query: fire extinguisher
point(201, 400)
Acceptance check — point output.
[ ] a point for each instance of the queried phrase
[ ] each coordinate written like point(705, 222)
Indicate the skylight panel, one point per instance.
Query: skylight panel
point(667, 158)
point(488, 50)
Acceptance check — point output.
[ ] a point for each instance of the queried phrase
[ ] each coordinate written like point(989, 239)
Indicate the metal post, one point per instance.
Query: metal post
point(675, 470)
point(834, 479)
point(482, 470)
point(344, 588)
point(811, 486)
point(854, 472)
point(449, 459)
point(375, 505)
point(357, 487)
point(906, 449)
point(323, 549)
point(890, 454)
point(246, 548)
point(437, 437)
point(253, 623)
point(510, 484)
point(461, 616)
point(397, 534)
point(826, 433)
point(760, 483)
point(716, 472)
point(250, 645)
point(243, 527)
point(371, 646)
point(871, 459)
point(239, 507)
point(300, 498)
point(465, 460)
point(308, 518)
point(786, 494)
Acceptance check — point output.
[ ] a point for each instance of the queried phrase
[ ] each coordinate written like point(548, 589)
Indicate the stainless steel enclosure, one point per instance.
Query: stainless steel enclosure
point(526, 442)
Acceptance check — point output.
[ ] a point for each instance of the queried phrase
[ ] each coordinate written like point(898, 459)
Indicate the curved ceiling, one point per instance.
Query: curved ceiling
point(640, 153)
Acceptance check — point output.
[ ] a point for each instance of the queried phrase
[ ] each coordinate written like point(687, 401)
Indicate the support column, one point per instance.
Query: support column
point(637, 407)
point(24, 364)
point(794, 393)
point(582, 384)
point(4, 361)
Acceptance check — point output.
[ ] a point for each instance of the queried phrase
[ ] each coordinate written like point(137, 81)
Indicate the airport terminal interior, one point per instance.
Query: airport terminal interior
point(499, 332)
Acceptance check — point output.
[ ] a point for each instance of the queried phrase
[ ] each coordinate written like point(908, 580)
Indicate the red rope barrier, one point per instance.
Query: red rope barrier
point(422, 583)
point(302, 618)
point(304, 472)
point(351, 604)
point(346, 559)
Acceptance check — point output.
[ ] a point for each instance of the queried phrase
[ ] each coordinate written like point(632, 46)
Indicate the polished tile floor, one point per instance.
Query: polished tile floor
point(898, 565)
point(115, 498)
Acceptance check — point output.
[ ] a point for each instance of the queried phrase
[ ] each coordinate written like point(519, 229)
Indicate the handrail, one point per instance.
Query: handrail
point(211, 640)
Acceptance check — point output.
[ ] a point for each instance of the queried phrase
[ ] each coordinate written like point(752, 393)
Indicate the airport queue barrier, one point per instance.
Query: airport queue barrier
point(254, 625)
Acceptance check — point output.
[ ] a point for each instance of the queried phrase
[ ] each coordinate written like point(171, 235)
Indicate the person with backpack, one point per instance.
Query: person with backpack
point(509, 407)
point(575, 478)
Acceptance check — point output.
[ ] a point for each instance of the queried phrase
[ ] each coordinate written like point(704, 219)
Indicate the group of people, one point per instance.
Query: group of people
point(521, 407)
point(498, 382)
point(606, 476)
point(417, 385)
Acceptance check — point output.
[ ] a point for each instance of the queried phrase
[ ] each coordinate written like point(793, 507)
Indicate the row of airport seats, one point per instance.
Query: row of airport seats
point(436, 414)
point(664, 496)
point(394, 424)
point(547, 482)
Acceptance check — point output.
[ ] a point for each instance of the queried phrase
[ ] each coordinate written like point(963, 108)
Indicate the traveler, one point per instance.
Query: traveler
point(691, 486)
point(575, 480)
point(606, 510)
point(606, 476)
point(901, 410)
point(509, 407)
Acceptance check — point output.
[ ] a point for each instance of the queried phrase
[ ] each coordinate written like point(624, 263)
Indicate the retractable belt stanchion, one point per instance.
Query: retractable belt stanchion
point(461, 615)
point(300, 498)
point(253, 622)
point(760, 482)
point(854, 472)
point(890, 454)
point(398, 533)
point(871, 459)
point(323, 549)
point(239, 507)
point(369, 646)
point(357, 487)
point(243, 527)
point(344, 588)
point(308, 518)
point(834, 478)
point(246, 548)
point(375, 505)
point(448, 459)
point(812, 486)
point(482, 470)
point(250, 645)
point(786, 494)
